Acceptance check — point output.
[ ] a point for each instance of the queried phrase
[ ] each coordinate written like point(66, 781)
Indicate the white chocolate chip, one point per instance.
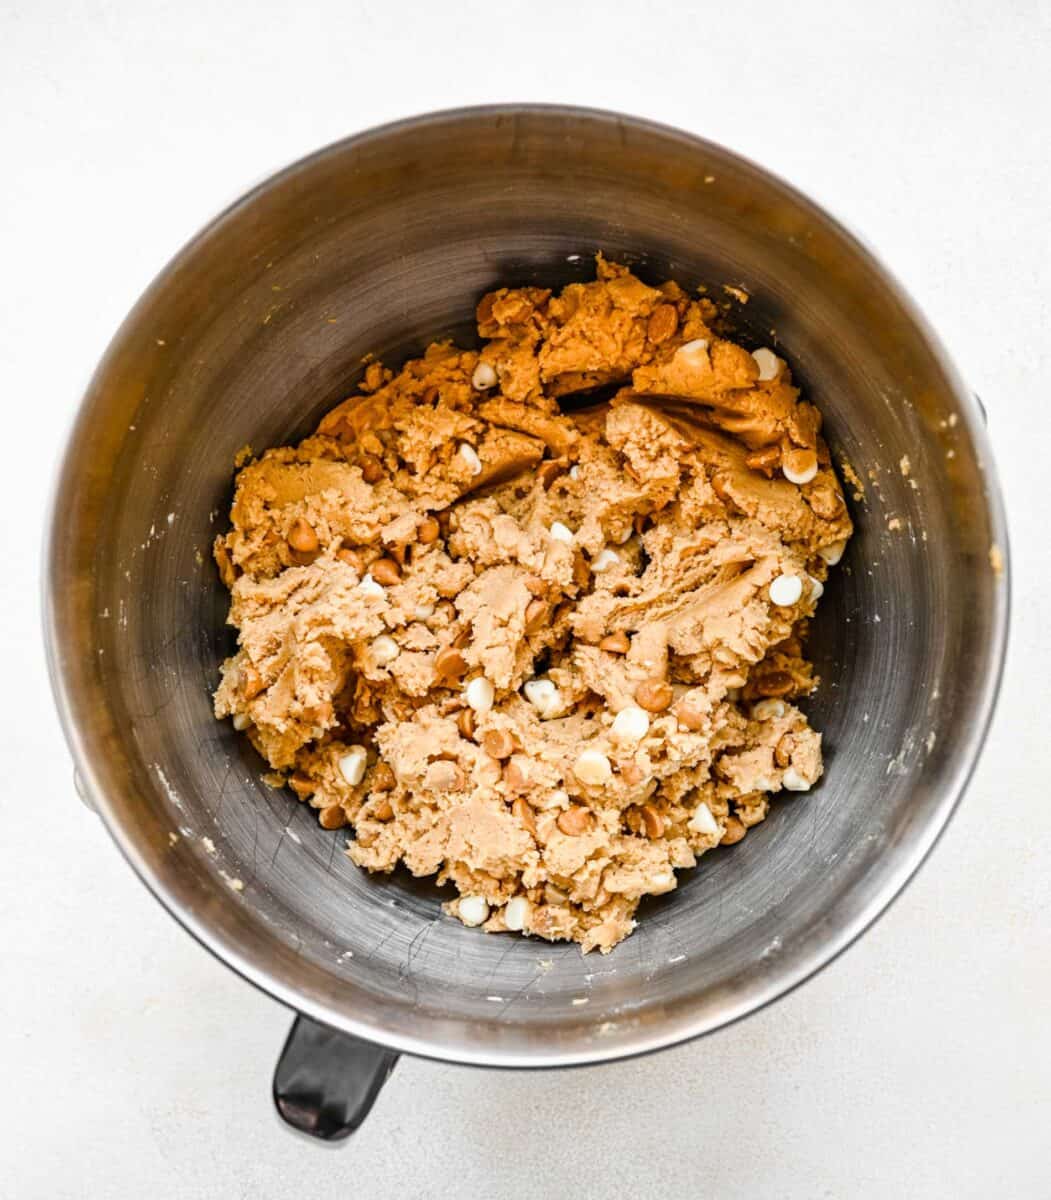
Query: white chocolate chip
point(370, 587)
point(693, 351)
point(768, 363)
point(384, 650)
point(479, 694)
point(470, 456)
point(423, 612)
point(795, 782)
point(768, 710)
point(800, 477)
point(786, 590)
point(605, 560)
point(556, 799)
point(473, 910)
point(562, 533)
point(517, 913)
point(484, 377)
point(703, 822)
point(833, 553)
point(544, 696)
point(625, 536)
point(241, 721)
point(817, 588)
point(352, 765)
point(663, 881)
point(631, 724)
point(574, 472)
point(592, 768)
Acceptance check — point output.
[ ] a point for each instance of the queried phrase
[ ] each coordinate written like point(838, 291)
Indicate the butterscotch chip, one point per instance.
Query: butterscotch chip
point(652, 822)
point(385, 571)
point(371, 469)
point(631, 773)
point(721, 489)
point(523, 810)
point(223, 561)
point(514, 776)
point(654, 695)
point(252, 683)
point(302, 785)
point(445, 776)
point(535, 616)
point(735, 830)
point(783, 750)
point(352, 558)
point(302, 538)
point(534, 585)
point(466, 723)
point(383, 810)
point(332, 817)
point(498, 743)
point(574, 821)
point(428, 531)
point(615, 643)
point(550, 470)
point(450, 663)
point(774, 683)
point(382, 778)
point(767, 460)
point(689, 716)
point(663, 322)
point(446, 610)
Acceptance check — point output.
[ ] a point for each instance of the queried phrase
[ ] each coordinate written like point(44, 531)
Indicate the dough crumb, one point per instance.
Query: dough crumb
point(530, 647)
point(853, 478)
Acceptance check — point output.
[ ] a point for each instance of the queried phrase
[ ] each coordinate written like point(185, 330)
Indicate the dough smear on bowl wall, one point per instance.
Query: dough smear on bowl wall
point(532, 619)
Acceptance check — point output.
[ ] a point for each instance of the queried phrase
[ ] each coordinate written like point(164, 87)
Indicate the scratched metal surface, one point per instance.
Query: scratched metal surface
point(381, 245)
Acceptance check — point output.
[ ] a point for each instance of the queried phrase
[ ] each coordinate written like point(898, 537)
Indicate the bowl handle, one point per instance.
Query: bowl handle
point(326, 1082)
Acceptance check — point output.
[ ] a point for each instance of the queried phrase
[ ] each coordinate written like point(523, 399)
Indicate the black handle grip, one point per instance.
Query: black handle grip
point(326, 1082)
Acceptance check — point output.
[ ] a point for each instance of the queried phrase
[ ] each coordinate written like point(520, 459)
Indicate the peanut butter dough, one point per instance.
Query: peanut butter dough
point(541, 645)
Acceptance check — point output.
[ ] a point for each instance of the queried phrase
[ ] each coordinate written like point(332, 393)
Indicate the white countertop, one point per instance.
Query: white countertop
point(919, 1064)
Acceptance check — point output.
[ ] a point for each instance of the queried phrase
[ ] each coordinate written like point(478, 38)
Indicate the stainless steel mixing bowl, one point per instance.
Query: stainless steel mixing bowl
point(381, 243)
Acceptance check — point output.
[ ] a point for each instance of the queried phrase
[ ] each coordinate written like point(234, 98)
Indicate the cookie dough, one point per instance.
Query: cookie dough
point(531, 618)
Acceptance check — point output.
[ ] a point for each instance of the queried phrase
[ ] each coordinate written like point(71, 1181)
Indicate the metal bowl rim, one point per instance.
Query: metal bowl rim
point(754, 998)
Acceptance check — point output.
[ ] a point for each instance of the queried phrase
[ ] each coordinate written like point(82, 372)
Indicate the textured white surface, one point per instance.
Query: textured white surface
point(919, 1064)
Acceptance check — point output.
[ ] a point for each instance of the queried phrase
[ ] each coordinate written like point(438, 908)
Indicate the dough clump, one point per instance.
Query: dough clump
point(522, 638)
